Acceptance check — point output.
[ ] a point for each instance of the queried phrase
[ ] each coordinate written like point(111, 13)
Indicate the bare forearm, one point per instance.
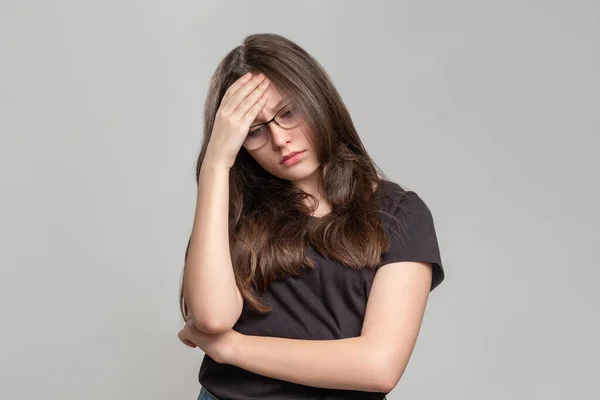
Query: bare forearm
point(211, 291)
point(347, 364)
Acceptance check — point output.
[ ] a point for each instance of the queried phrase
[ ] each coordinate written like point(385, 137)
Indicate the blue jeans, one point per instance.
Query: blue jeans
point(206, 395)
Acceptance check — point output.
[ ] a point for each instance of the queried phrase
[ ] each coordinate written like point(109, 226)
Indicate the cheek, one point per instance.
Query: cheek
point(308, 137)
point(264, 160)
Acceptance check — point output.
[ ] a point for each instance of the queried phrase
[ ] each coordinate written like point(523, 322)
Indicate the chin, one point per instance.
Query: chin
point(292, 174)
point(302, 172)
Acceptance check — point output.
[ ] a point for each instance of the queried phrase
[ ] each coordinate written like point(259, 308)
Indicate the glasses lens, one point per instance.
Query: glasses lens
point(287, 118)
point(258, 135)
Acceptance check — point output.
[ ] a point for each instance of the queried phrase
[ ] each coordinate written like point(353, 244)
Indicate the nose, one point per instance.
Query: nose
point(279, 136)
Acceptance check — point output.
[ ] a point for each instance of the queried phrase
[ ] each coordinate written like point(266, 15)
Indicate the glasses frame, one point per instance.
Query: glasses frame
point(266, 124)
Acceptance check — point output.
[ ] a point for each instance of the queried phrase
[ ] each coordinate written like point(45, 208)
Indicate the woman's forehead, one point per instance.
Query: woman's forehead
point(275, 99)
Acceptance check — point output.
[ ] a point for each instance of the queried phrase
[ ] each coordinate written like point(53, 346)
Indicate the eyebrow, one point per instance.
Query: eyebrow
point(276, 107)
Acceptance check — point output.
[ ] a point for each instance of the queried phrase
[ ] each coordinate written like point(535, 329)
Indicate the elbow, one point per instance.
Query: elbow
point(212, 326)
point(388, 374)
point(216, 325)
point(388, 380)
point(386, 386)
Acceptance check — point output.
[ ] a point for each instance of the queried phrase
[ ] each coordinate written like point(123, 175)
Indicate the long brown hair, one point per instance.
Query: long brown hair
point(269, 222)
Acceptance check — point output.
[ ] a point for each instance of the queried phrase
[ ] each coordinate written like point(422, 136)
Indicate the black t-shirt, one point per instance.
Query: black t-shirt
point(324, 303)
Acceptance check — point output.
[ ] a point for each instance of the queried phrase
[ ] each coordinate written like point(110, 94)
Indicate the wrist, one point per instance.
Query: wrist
point(233, 349)
point(214, 165)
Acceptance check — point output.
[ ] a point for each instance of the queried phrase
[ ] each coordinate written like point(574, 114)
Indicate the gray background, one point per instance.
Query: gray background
point(490, 110)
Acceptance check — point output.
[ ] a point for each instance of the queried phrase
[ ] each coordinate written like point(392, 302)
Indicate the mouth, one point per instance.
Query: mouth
point(287, 157)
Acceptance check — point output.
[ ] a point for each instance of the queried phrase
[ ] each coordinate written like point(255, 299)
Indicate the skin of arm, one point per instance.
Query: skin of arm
point(373, 361)
point(213, 298)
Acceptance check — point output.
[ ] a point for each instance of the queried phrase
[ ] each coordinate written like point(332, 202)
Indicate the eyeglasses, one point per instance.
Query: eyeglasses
point(258, 135)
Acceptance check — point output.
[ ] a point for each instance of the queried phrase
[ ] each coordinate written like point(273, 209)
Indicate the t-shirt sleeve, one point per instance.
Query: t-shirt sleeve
point(411, 232)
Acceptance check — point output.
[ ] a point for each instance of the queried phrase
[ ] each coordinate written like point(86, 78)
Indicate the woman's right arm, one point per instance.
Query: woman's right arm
point(212, 295)
point(210, 288)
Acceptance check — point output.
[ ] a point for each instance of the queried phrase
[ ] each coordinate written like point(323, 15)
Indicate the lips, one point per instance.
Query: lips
point(289, 156)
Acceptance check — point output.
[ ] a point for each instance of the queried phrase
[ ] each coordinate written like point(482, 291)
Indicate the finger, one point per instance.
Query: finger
point(250, 101)
point(253, 112)
point(239, 96)
point(241, 81)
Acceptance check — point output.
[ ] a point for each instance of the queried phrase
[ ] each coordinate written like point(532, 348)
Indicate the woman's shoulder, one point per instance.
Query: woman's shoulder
point(398, 200)
point(391, 192)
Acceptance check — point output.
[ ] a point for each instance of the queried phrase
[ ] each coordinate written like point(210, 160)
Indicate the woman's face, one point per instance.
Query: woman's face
point(282, 142)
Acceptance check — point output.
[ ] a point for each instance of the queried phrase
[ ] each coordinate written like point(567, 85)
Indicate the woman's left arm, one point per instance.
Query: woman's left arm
point(373, 361)
point(347, 364)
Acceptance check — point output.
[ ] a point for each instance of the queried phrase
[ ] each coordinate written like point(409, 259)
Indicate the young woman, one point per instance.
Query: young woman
point(307, 273)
